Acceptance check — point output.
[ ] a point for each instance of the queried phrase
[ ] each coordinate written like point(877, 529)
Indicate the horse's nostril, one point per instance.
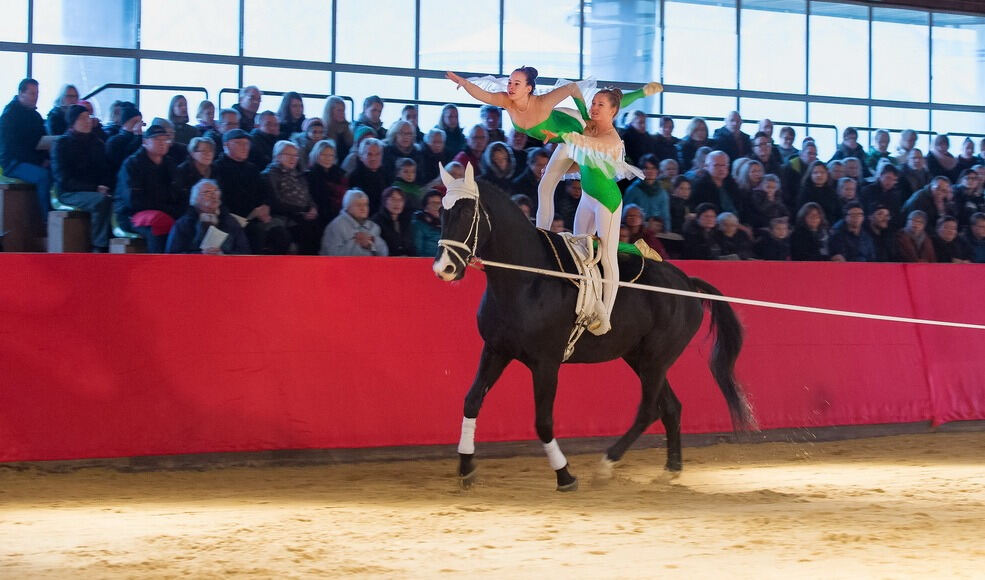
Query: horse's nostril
point(449, 269)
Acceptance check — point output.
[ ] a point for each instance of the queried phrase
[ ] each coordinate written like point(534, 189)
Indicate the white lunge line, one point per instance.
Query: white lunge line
point(747, 301)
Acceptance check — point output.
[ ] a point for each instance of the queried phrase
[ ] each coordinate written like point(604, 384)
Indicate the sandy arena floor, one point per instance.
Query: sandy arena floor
point(893, 507)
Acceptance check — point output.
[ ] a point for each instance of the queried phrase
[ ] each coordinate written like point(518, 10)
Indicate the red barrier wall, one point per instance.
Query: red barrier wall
point(107, 356)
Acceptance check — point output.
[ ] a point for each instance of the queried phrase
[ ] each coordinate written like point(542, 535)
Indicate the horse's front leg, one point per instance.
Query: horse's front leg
point(491, 365)
point(545, 389)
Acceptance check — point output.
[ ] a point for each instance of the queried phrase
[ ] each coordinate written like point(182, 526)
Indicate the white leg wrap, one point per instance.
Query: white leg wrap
point(554, 455)
point(466, 444)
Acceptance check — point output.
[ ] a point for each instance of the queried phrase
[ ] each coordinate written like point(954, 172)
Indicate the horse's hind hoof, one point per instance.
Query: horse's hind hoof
point(467, 481)
point(573, 486)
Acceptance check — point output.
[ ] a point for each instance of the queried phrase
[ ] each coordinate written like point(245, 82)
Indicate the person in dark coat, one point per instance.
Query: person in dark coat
point(816, 187)
point(56, 123)
point(731, 139)
point(849, 241)
point(247, 107)
point(128, 139)
point(775, 245)
point(883, 237)
point(850, 147)
point(913, 175)
point(948, 247)
point(934, 200)
point(664, 142)
point(245, 194)
point(198, 166)
point(395, 223)
point(399, 145)
point(638, 142)
point(792, 174)
point(368, 175)
point(148, 198)
point(764, 151)
point(21, 130)
point(696, 138)
point(975, 238)
point(529, 179)
point(432, 153)
point(370, 117)
point(884, 192)
point(291, 115)
point(291, 202)
point(327, 182)
point(809, 241)
point(205, 211)
point(498, 166)
point(263, 138)
point(716, 186)
point(700, 241)
point(82, 174)
point(734, 242)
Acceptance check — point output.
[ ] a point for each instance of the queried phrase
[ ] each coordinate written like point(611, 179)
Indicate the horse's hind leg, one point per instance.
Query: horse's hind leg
point(491, 365)
point(653, 380)
point(545, 389)
point(670, 408)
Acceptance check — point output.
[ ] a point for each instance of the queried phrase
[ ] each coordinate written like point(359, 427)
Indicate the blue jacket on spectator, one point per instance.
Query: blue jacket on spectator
point(189, 230)
point(20, 130)
point(853, 247)
point(651, 198)
point(427, 232)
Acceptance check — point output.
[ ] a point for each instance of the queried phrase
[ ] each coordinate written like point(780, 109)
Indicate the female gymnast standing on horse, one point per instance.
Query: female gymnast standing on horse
point(536, 116)
point(600, 155)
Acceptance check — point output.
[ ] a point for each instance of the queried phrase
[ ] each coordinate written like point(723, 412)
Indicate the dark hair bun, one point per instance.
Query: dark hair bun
point(531, 74)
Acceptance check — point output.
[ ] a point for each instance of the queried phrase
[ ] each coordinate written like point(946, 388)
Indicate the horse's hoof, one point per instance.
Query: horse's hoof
point(667, 476)
point(468, 480)
point(603, 475)
point(573, 486)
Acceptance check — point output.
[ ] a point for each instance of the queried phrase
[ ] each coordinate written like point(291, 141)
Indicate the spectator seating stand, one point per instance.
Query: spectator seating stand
point(68, 227)
point(20, 219)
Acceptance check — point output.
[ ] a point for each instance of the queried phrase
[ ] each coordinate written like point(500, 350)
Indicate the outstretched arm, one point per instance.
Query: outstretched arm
point(645, 91)
point(558, 94)
point(495, 99)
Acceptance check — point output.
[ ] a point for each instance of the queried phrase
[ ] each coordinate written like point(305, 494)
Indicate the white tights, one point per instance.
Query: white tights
point(557, 166)
point(592, 217)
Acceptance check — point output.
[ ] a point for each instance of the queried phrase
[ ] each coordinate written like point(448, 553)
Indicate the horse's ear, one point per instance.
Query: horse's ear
point(469, 173)
point(446, 177)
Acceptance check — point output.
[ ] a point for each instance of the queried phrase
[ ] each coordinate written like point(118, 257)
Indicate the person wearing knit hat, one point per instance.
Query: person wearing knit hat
point(72, 113)
point(360, 134)
point(312, 131)
point(127, 141)
point(82, 173)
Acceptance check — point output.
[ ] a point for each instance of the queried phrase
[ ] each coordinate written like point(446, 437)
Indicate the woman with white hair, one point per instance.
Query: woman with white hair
point(291, 201)
point(190, 233)
point(56, 123)
point(352, 233)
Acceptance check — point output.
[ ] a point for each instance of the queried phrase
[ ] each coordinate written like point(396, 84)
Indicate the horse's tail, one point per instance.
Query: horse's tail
point(728, 343)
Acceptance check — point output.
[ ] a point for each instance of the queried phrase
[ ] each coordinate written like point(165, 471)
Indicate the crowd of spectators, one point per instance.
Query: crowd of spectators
point(275, 181)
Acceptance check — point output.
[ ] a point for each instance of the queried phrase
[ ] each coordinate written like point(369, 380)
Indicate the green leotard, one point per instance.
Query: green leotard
point(560, 122)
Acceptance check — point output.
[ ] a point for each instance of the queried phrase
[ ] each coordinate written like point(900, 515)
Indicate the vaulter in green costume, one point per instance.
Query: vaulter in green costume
point(538, 116)
point(585, 137)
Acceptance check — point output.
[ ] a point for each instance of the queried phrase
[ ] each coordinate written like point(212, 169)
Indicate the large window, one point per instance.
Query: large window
point(622, 41)
point(900, 57)
point(86, 73)
point(13, 25)
point(108, 23)
point(376, 33)
point(299, 29)
point(773, 36)
point(190, 26)
point(839, 48)
point(957, 68)
point(827, 62)
point(474, 47)
point(545, 35)
point(699, 43)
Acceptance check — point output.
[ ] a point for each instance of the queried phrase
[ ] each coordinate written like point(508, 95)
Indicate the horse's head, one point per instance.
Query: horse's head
point(461, 223)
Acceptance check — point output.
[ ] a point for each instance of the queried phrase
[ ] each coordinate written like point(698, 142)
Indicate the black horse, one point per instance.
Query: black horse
point(528, 317)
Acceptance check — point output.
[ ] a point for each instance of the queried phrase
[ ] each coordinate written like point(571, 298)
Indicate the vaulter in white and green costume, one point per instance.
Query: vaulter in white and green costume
point(561, 121)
